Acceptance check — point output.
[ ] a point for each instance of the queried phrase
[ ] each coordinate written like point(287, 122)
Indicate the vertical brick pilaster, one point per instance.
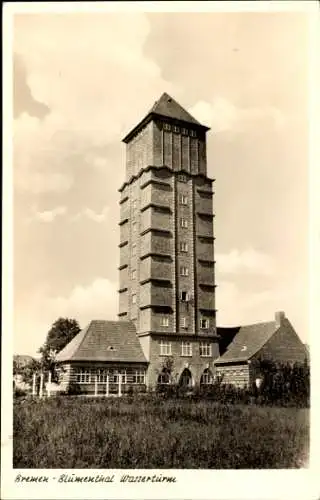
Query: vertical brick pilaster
point(175, 253)
point(194, 256)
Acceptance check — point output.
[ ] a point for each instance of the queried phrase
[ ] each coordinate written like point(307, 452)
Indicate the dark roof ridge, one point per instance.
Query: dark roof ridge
point(247, 326)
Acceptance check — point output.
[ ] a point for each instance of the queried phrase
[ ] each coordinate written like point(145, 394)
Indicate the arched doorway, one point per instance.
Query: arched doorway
point(185, 378)
point(206, 377)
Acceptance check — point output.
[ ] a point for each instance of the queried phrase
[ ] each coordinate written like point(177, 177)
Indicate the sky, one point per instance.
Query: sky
point(82, 81)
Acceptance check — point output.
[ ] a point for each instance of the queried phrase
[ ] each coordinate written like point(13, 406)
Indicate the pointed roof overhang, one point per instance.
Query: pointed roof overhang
point(167, 108)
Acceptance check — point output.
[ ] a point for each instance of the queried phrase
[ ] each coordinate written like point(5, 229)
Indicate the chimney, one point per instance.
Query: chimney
point(279, 317)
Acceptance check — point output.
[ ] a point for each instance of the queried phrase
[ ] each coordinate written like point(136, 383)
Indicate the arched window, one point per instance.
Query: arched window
point(186, 378)
point(164, 377)
point(206, 377)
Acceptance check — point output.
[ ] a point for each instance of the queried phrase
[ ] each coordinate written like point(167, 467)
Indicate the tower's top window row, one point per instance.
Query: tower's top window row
point(184, 131)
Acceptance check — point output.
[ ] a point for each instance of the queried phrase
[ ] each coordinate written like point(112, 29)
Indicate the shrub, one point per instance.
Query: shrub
point(19, 393)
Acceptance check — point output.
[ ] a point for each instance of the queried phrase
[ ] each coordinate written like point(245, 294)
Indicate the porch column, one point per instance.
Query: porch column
point(41, 385)
point(119, 387)
point(49, 385)
point(34, 384)
point(107, 386)
point(96, 386)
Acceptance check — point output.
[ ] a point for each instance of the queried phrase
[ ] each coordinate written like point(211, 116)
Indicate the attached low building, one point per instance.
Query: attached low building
point(242, 347)
point(99, 355)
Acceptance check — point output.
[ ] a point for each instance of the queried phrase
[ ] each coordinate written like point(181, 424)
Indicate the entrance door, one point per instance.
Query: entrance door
point(186, 378)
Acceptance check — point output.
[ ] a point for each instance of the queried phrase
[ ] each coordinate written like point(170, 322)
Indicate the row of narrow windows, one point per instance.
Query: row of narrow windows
point(205, 348)
point(102, 376)
point(107, 376)
point(174, 128)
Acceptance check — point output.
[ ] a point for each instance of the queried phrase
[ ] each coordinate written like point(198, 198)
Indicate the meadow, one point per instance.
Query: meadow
point(151, 433)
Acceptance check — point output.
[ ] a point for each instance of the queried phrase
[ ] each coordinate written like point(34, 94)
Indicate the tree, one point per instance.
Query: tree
point(26, 369)
point(60, 334)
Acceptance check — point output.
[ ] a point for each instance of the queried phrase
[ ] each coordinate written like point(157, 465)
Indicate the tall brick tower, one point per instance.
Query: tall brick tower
point(167, 281)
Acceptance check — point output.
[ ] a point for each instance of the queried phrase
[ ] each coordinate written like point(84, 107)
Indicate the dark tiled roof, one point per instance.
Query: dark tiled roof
point(245, 341)
point(168, 108)
point(104, 341)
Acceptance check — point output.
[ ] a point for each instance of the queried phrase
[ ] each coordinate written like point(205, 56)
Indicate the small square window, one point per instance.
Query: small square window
point(184, 131)
point(184, 271)
point(182, 178)
point(193, 133)
point(165, 321)
point(184, 296)
point(183, 246)
point(176, 129)
point(167, 127)
point(134, 298)
point(184, 222)
point(183, 323)
point(204, 323)
point(183, 199)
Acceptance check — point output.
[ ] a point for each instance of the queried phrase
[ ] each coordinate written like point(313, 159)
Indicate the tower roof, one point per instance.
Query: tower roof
point(166, 107)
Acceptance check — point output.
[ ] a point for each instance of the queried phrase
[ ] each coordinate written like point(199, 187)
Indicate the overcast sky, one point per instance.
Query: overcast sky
point(81, 81)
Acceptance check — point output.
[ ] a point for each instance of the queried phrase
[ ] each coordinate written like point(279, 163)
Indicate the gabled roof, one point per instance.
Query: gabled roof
point(245, 341)
point(168, 108)
point(104, 341)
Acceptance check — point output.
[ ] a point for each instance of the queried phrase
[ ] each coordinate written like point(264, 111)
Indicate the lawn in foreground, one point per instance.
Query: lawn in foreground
point(114, 434)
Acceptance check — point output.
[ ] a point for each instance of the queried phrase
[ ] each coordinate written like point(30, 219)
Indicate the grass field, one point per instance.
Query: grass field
point(151, 433)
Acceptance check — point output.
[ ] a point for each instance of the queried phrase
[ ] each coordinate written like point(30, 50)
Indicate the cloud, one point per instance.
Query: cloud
point(48, 215)
point(222, 115)
point(97, 300)
point(43, 182)
point(248, 261)
point(239, 306)
point(91, 93)
point(22, 96)
point(38, 155)
point(95, 79)
point(92, 215)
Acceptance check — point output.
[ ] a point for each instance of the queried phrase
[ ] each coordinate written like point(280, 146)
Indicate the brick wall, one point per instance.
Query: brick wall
point(195, 363)
point(185, 259)
point(156, 194)
point(237, 375)
point(139, 152)
point(202, 155)
point(155, 242)
point(157, 295)
point(178, 149)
